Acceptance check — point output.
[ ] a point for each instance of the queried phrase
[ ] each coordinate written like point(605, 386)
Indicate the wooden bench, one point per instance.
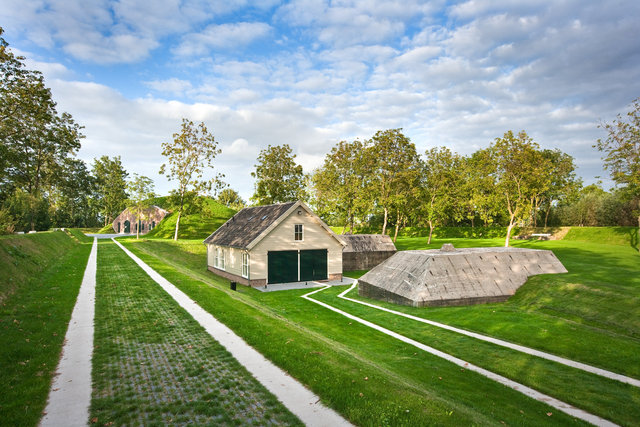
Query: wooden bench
point(541, 236)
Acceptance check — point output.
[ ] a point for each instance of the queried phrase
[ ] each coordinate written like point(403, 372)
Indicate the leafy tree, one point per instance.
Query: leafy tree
point(278, 177)
point(231, 199)
point(111, 185)
point(34, 139)
point(520, 171)
point(442, 179)
point(189, 155)
point(70, 200)
point(562, 183)
point(140, 189)
point(341, 184)
point(395, 170)
point(622, 153)
point(476, 194)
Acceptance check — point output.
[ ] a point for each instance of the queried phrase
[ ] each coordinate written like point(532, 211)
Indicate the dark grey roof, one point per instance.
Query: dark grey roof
point(368, 243)
point(246, 225)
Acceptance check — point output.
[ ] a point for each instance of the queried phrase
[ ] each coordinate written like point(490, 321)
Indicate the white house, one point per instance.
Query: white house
point(275, 244)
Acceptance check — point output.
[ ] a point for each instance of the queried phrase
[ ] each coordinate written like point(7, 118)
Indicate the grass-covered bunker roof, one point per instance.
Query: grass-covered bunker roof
point(455, 276)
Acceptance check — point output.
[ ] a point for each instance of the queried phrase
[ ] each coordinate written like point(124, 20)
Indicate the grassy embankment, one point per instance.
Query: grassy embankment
point(196, 223)
point(154, 365)
point(40, 275)
point(374, 379)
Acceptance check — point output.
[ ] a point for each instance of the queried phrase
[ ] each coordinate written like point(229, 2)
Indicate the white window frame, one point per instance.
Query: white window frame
point(295, 233)
point(245, 265)
point(222, 259)
point(215, 257)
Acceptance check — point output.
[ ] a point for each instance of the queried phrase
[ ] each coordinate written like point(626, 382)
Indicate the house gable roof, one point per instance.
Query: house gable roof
point(249, 226)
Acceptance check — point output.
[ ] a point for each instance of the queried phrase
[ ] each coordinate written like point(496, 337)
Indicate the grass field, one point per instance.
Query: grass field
point(398, 366)
point(154, 365)
point(40, 275)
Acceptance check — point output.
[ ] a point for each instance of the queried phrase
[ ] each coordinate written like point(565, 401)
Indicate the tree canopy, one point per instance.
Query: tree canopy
point(189, 155)
point(279, 178)
point(621, 148)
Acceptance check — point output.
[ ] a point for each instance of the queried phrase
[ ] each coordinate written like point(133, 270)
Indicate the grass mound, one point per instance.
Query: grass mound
point(40, 275)
point(197, 223)
point(624, 236)
point(26, 255)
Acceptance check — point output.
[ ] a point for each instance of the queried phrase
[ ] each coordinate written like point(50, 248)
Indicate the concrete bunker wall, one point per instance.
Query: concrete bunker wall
point(456, 277)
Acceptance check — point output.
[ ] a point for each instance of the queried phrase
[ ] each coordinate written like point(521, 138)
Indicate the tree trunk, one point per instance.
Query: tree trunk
point(546, 216)
point(175, 236)
point(384, 224)
point(430, 232)
point(509, 228)
point(395, 235)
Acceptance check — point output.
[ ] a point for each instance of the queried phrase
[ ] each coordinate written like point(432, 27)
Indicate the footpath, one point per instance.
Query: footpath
point(70, 394)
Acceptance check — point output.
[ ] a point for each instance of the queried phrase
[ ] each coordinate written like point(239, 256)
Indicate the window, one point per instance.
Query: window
point(221, 260)
point(215, 257)
point(298, 232)
point(245, 264)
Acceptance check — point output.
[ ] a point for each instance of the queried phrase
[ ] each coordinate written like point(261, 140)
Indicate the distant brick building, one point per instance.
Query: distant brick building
point(126, 223)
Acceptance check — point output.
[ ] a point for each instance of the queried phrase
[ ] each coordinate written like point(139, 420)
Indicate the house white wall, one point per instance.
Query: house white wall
point(282, 239)
point(232, 258)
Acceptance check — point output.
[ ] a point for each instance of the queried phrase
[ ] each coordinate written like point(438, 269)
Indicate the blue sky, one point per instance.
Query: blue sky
point(310, 73)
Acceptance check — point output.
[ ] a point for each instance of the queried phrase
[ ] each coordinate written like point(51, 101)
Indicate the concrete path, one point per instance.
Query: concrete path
point(108, 236)
point(346, 281)
point(527, 391)
point(70, 394)
point(520, 348)
point(298, 399)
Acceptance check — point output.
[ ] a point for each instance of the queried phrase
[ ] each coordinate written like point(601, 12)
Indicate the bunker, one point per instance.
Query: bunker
point(365, 251)
point(449, 276)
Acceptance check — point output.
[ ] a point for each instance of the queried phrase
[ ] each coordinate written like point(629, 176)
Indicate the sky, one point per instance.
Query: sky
point(311, 73)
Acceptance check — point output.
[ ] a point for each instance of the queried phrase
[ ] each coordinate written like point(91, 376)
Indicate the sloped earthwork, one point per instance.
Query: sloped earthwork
point(455, 277)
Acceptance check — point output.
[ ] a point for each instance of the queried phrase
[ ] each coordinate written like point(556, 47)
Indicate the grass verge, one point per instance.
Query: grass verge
point(44, 275)
point(606, 398)
point(154, 365)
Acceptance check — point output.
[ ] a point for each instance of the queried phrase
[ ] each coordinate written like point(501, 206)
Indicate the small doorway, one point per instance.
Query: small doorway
point(127, 227)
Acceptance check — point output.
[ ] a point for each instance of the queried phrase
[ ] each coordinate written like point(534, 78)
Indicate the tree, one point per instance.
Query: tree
point(520, 167)
point(562, 182)
point(622, 153)
point(231, 199)
point(111, 184)
point(70, 200)
point(441, 180)
point(278, 177)
point(140, 189)
point(35, 140)
point(395, 165)
point(477, 196)
point(191, 152)
point(341, 183)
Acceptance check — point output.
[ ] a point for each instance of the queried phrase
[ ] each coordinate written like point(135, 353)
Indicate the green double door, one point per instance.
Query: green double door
point(283, 266)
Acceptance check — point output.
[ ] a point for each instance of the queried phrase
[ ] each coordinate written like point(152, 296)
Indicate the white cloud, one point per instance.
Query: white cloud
point(224, 36)
point(172, 86)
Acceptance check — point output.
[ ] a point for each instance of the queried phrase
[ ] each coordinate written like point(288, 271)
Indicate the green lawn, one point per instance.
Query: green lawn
point(40, 277)
point(154, 365)
point(370, 378)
